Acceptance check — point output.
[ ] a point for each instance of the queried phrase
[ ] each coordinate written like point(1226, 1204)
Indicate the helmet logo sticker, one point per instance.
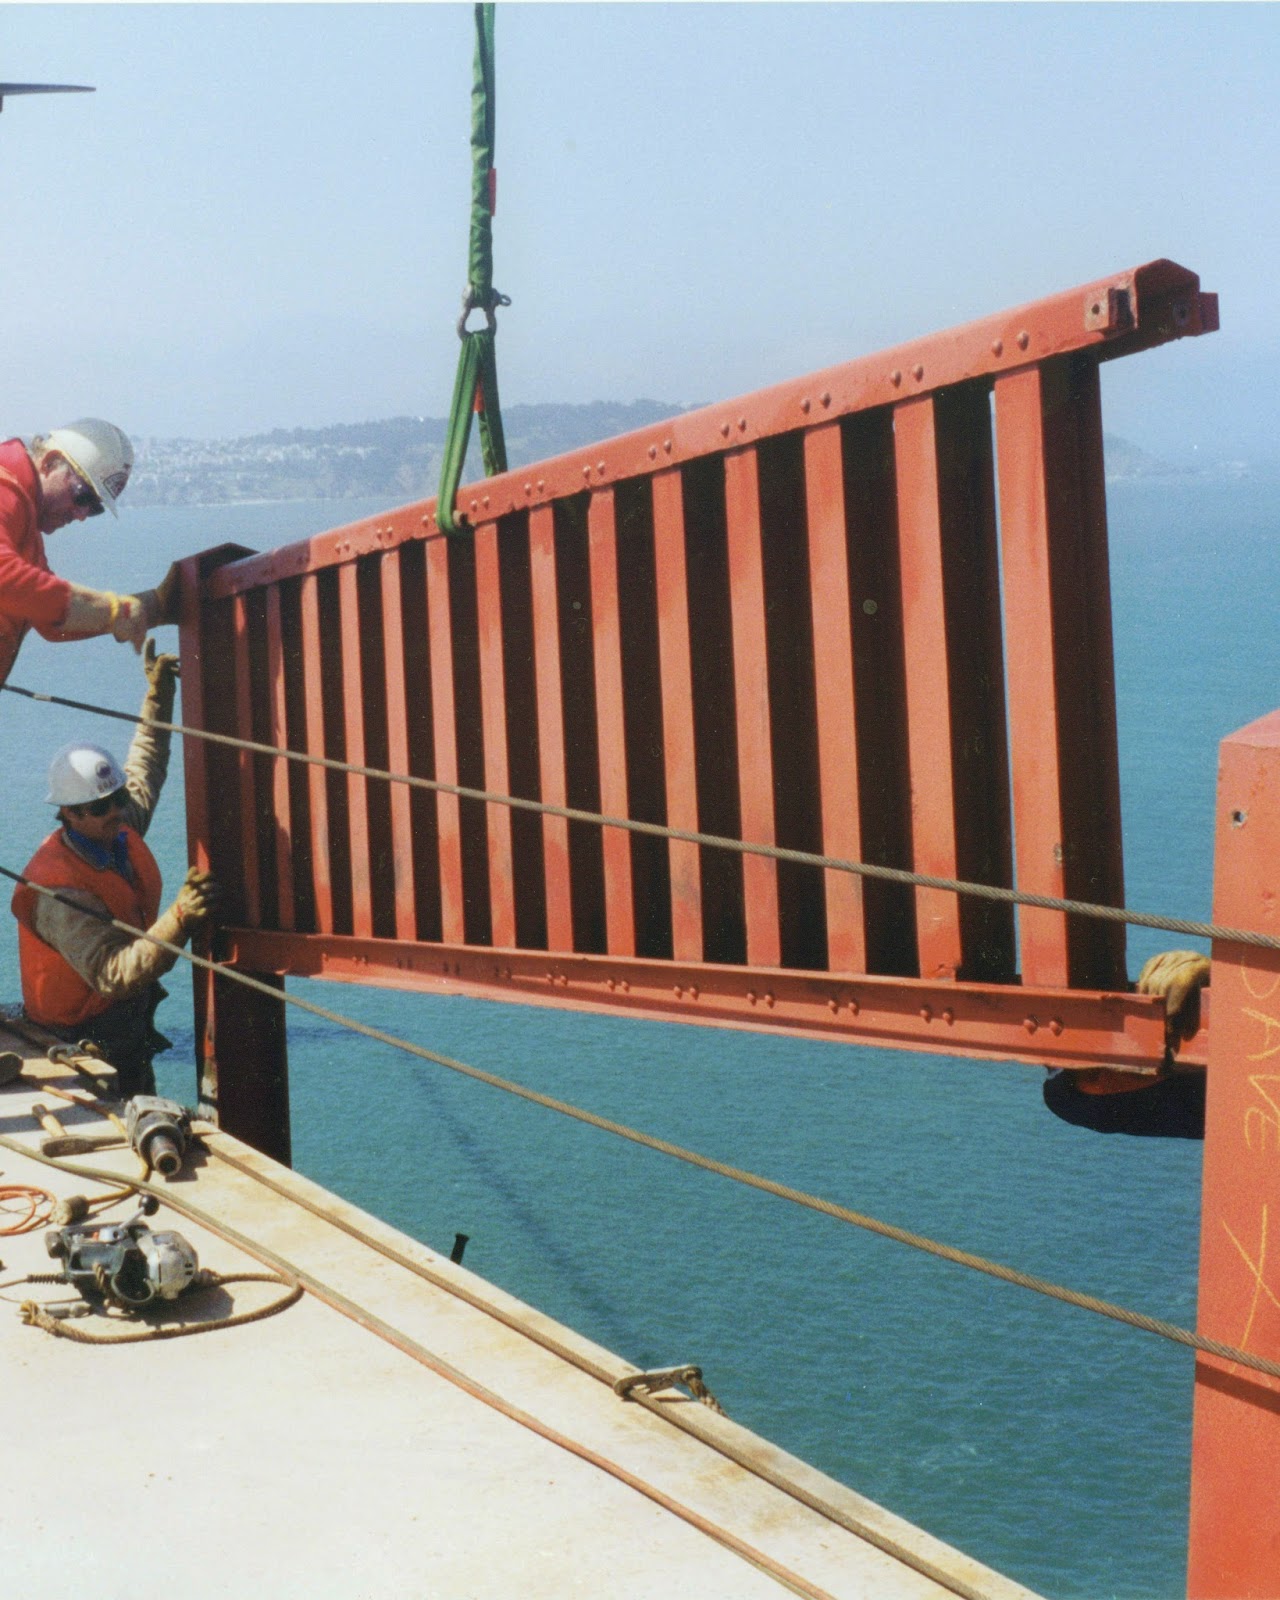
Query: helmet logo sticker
point(114, 482)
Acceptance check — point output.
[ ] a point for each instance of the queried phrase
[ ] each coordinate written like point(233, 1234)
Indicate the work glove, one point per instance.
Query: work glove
point(1178, 977)
point(162, 671)
point(161, 604)
point(198, 899)
point(130, 626)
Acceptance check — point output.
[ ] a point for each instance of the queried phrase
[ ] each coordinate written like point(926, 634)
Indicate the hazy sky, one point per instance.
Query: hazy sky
point(260, 217)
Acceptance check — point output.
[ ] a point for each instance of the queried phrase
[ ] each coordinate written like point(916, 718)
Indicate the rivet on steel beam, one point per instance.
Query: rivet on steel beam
point(693, 992)
point(948, 1016)
point(833, 1006)
point(427, 520)
point(917, 372)
point(751, 997)
point(895, 377)
point(653, 452)
point(1030, 1024)
point(624, 986)
point(926, 1014)
point(586, 472)
point(742, 424)
point(542, 484)
point(666, 445)
point(609, 983)
point(528, 489)
point(1055, 1026)
point(806, 405)
point(997, 347)
point(870, 607)
point(1024, 339)
point(475, 505)
point(678, 992)
point(824, 398)
point(768, 999)
point(1239, 818)
point(854, 1007)
point(600, 466)
point(724, 429)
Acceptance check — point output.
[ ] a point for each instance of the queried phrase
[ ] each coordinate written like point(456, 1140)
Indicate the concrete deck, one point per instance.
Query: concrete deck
point(404, 1430)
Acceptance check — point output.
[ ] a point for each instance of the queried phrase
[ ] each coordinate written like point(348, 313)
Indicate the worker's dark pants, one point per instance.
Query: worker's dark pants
point(1171, 1107)
point(126, 1035)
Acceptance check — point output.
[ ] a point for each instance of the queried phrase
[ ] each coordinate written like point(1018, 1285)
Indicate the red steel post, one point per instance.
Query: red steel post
point(929, 729)
point(278, 735)
point(444, 726)
point(545, 602)
point(246, 762)
point(751, 697)
point(833, 681)
point(493, 718)
point(675, 666)
point(1235, 1459)
point(312, 669)
point(402, 846)
point(606, 634)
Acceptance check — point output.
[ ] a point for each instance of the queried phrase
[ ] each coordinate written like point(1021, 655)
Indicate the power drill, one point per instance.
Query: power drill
point(124, 1262)
point(158, 1131)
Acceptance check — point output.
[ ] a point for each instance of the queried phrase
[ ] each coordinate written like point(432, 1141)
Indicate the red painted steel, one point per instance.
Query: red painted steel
point(493, 703)
point(549, 690)
point(778, 619)
point(314, 744)
point(834, 680)
point(278, 734)
point(751, 702)
point(606, 636)
point(1235, 1486)
point(996, 1021)
point(678, 739)
point(445, 739)
point(247, 765)
point(930, 734)
point(1061, 681)
point(399, 758)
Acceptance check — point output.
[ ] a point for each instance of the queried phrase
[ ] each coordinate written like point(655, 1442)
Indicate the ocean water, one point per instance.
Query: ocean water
point(1048, 1442)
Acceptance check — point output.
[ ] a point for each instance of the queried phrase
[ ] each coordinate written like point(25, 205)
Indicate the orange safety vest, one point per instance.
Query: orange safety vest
point(52, 990)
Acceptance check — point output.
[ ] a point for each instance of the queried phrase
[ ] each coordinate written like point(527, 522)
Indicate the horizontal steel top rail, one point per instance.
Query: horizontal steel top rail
point(1116, 316)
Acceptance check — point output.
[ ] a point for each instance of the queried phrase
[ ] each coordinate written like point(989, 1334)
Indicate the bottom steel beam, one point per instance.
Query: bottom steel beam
point(1053, 1027)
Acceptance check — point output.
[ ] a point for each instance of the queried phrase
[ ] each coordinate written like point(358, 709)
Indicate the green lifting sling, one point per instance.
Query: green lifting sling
point(475, 389)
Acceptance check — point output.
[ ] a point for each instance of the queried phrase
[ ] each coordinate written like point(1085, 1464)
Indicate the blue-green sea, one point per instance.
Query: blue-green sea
point(1050, 1443)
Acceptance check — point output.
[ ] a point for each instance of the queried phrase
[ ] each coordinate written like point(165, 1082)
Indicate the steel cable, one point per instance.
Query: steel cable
point(965, 1258)
point(806, 858)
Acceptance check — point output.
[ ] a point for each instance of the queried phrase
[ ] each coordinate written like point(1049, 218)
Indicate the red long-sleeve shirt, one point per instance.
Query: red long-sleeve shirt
point(30, 595)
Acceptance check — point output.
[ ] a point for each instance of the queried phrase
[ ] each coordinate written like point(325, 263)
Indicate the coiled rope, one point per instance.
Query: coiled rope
point(657, 830)
point(964, 1258)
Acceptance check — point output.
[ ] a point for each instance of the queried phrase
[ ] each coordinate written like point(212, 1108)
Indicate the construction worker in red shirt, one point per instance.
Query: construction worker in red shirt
point(73, 473)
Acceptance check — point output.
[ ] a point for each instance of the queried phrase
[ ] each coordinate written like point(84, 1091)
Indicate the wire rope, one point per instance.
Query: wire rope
point(866, 869)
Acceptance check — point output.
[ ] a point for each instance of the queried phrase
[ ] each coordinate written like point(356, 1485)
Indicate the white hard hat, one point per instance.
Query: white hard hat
point(100, 452)
point(82, 773)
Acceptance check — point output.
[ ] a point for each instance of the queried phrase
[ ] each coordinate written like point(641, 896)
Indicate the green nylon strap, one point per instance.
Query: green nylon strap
point(475, 388)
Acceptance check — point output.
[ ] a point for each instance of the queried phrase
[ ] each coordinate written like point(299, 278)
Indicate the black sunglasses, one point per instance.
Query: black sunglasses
point(87, 500)
point(115, 801)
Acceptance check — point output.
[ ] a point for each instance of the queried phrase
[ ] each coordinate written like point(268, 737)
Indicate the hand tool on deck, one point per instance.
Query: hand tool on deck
point(10, 1066)
point(62, 1143)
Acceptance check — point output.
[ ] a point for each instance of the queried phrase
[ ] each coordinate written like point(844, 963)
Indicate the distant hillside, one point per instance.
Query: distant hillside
point(398, 460)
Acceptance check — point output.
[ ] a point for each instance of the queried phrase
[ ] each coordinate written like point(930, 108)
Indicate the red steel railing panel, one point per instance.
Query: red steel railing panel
point(777, 620)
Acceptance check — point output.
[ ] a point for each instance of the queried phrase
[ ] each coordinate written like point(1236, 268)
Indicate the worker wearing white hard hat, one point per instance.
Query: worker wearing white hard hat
point(73, 473)
point(82, 978)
